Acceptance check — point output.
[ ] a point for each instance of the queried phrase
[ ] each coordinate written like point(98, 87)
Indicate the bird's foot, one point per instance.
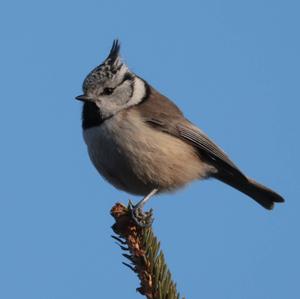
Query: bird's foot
point(141, 218)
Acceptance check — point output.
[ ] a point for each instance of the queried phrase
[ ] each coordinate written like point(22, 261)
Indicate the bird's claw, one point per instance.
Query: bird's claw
point(141, 218)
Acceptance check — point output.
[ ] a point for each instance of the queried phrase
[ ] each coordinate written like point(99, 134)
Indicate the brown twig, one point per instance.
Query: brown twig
point(143, 252)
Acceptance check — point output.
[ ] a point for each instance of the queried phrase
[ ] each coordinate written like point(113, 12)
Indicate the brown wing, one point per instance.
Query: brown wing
point(159, 112)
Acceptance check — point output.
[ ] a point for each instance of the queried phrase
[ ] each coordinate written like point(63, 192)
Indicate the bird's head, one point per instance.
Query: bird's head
point(111, 86)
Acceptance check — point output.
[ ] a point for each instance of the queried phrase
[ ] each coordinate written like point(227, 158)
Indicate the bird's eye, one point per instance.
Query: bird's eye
point(107, 91)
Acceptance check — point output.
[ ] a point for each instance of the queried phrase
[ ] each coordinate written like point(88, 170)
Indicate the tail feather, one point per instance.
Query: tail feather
point(261, 194)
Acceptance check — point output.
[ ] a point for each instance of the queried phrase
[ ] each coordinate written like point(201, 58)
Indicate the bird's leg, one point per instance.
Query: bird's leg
point(142, 202)
point(142, 219)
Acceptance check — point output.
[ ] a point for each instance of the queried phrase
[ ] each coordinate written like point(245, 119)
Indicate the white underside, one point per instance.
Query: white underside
point(137, 158)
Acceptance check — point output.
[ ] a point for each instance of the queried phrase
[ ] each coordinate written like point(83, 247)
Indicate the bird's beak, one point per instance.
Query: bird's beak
point(84, 98)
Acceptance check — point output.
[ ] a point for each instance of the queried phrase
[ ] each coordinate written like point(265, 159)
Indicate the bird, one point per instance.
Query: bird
point(141, 142)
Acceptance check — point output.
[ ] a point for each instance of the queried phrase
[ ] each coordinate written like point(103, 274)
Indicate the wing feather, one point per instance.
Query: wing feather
point(209, 149)
point(162, 114)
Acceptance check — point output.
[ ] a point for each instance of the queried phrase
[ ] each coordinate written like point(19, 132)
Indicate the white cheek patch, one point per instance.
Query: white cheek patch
point(122, 93)
point(139, 91)
point(123, 97)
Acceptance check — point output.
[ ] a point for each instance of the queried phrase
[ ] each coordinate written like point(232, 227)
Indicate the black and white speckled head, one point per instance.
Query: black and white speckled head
point(109, 70)
point(112, 86)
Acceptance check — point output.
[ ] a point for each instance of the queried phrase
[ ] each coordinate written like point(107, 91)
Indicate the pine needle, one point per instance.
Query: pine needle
point(144, 255)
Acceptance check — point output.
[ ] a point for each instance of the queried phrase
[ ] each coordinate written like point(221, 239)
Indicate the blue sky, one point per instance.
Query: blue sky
point(233, 68)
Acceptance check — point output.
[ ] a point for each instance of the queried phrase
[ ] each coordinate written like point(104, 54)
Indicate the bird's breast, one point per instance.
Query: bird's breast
point(136, 158)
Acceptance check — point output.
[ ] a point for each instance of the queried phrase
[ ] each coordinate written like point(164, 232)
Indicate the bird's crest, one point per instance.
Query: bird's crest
point(111, 65)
